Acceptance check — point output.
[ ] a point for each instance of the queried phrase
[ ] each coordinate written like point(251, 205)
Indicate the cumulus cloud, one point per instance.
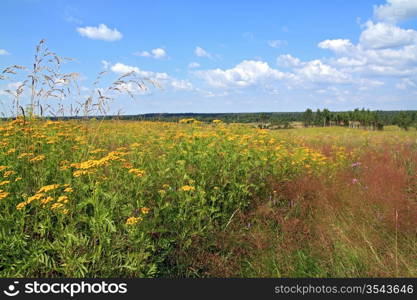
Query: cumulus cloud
point(121, 68)
point(383, 35)
point(247, 73)
point(396, 10)
point(101, 32)
point(4, 52)
point(383, 50)
point(182, 85)
point(287, 60)
point(200, 52)
point(336, 45)
point(157, 53)
point(317, 71)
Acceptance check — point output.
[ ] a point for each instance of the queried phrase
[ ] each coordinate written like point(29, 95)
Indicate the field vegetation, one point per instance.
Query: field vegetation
point(145, 199)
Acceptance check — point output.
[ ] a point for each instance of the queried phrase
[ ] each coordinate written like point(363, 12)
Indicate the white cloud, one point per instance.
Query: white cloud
point(121, 68)
point(200, 52)
point(396, 10)
point(277, 43)
point(105, 64)
point(336, 45)
point(317, 71)
point(102, 32)
point(383, 35)
point(181, 85)
point(4, 52)
point(247, 73)
point(287, 60)
point(142, 53)
point(383, 50)
point(157, 53)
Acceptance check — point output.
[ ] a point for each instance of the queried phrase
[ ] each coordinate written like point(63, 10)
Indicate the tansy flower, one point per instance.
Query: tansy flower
point(145, 210)
point(57, 205)
point(3, 194)
point(48, 188)
point(21, 205)
point(35, 197)
point(37, 158)
point(137, 172)
point(47, 200)
point(8, 173)
point(63, 199)
point(187, 188)
point(133, 220)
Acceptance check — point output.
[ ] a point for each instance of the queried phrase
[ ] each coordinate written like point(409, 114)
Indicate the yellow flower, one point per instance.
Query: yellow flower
point(57, 205)
point(133, 220)
point(68, 190)
point(63, 199)
point(35, 197)
point(48, 188)
point(145, 210)
point(18, 179)
point(21, 205)
point(137, 172)
point(8, 173)
point(187, 188)
point(47, 200)
point(10, 151)
point(37, 158)
point(23, 155)
point(3, 194)
point(4, 182)
point(3, 167)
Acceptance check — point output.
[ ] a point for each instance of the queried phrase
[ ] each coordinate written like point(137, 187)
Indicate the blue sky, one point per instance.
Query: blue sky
point(227, 56)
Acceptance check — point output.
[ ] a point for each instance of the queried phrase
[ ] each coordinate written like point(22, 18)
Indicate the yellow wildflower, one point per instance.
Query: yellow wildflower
point(187, 188)
point(68, 190)
point(3, 194)
point(8, 173)
point(47, 200)
point(57, 205)
point(137, 172)
point(63, 199)
point(48, 188)
point(21, 205)
point(37, 158)
point(145, 210)
point(133, 220)
point(4, 182)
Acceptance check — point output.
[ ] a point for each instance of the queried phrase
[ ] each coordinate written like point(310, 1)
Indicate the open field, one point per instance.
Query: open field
point(153, 199)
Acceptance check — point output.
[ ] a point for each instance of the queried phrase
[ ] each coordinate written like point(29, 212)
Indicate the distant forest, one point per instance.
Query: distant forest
point(375, 120)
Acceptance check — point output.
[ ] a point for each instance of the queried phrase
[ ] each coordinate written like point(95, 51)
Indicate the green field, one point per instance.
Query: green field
point(190, 199)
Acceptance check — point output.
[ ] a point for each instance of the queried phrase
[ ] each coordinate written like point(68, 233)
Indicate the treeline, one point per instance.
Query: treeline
point(360, 118)
point(355, 118)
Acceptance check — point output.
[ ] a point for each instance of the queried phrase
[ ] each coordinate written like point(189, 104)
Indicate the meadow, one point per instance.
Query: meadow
point(93, 198)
